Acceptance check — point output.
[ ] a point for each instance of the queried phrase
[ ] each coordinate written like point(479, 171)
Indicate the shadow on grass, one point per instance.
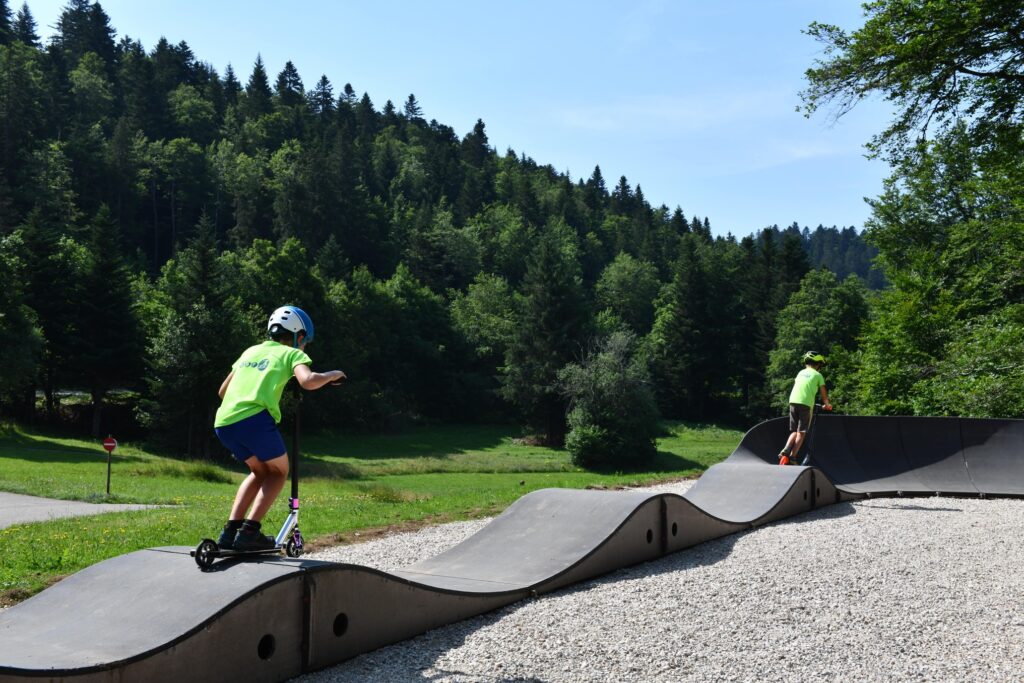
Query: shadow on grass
point(43, 449)
point(663, 462)
point(313, 467)
point(420, 442)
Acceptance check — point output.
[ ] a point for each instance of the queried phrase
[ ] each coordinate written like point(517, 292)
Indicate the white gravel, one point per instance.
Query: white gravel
point(893, 589)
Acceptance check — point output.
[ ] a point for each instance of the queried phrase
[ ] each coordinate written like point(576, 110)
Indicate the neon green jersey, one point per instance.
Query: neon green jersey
point(260, 375)
point(805, 387)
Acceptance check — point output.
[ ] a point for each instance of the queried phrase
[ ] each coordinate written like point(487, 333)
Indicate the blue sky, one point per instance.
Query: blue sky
point(693, 100)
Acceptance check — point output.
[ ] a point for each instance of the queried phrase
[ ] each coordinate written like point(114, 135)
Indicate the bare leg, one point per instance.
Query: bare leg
point(275, 475)
point(796, 439)
point(793, 443)
point(247, 490)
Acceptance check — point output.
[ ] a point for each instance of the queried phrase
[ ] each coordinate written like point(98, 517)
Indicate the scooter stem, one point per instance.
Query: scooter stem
point(295, 443)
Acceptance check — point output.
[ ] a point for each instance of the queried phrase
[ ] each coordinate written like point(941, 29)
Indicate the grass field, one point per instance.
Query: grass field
point(352, 487)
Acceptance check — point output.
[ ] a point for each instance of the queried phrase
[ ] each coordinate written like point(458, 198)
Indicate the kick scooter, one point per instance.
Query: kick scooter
point(288, 539)
point(806, 460)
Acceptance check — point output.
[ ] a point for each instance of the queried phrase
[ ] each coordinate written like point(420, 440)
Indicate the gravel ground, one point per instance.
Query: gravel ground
point(893, 589)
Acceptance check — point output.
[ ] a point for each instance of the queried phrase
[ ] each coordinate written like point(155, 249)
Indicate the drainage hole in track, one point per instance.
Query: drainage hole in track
point(805, 495)
point(265, 649)
point(650, 535)
point(340, 624)
point(675, 528)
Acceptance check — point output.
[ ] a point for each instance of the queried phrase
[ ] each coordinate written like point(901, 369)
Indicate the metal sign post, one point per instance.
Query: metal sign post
point(109, 443)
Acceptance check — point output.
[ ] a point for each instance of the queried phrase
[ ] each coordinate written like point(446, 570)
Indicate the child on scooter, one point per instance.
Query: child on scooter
point(246, 422)
point(808, 382)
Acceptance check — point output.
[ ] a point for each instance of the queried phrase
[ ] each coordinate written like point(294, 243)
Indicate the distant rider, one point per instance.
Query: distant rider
point(807, 384)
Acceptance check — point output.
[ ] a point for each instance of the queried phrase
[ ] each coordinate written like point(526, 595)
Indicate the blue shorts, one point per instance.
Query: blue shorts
point(256, 435)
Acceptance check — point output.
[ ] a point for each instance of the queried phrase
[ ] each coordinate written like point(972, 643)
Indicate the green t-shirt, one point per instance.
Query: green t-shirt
point(805, 387)
point(260, 375)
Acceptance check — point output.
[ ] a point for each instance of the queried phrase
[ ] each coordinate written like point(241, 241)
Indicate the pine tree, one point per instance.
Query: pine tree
point(173, 65)
point(6, 30)
point(24, 28)
point(793, 265)
point(412, 109)
point(53, 265)
point(553, 324)
point(21, 118)
point(257, 100)
point(677, 341)
point(366, 117)
point(678, 222)
point(474, 149)
point(289, 90)
point(212, 90)
point(348, 95)
point(135, 81)
point(321, 99)
point(108, 330)
point(199, 334)
point(595, 195)
point(622, 198)
point(232, 88)
point(331, 261)
point(20, 335)
point(752, 356)
point(389, 114)
point(476, 189)
point(84, 27)
point(170, 66)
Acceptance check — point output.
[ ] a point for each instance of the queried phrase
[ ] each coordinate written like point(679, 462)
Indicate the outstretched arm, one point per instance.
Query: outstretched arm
point(310, 380)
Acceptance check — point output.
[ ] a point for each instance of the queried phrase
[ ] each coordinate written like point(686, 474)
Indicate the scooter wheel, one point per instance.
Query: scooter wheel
point(206, 553)
point(292, 549)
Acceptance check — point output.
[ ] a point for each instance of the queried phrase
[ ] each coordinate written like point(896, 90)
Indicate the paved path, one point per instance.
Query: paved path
point(18, 509)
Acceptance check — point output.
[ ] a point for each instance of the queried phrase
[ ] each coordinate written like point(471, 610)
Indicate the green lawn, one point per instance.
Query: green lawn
point(349, 484)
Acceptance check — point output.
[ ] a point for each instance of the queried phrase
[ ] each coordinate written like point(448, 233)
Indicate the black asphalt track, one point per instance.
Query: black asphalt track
point(152, 615)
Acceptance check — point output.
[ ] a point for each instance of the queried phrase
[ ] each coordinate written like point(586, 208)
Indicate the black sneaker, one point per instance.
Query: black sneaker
point(249, 538)
point(227, 535)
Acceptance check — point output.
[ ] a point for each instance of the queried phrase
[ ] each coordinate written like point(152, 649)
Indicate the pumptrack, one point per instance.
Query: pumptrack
point(152, 615)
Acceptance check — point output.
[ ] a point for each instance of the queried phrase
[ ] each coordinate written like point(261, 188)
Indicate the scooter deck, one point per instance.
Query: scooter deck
point(207, 552)
point(219, 554)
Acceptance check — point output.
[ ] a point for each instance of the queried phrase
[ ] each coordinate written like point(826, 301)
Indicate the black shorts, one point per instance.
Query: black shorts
point(799, 417)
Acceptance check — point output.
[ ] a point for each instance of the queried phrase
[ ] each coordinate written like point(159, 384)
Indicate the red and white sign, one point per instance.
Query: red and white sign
point(110, 443)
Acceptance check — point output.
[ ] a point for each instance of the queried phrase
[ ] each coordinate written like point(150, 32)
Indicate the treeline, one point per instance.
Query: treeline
point(844, 251)
point(154, 211)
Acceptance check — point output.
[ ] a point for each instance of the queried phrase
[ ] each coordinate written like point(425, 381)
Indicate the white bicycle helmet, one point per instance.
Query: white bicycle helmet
point(293, 319)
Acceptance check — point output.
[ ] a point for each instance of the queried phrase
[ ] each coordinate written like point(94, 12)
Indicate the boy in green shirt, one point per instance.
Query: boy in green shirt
point(246, 421)
point(807, 384)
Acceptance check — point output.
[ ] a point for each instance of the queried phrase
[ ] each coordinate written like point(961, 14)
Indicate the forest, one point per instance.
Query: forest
point(153, 211)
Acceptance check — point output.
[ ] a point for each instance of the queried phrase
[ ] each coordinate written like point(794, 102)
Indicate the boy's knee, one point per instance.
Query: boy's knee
point(278, 466)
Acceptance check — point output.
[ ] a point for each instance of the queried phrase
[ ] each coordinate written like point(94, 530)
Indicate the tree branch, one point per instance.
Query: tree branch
point(1001, 74)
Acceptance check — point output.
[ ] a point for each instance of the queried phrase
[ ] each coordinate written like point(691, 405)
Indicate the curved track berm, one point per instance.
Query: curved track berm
point(151, 615)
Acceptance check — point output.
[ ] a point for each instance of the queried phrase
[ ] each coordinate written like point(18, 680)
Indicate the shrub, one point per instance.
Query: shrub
point(613, 416)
